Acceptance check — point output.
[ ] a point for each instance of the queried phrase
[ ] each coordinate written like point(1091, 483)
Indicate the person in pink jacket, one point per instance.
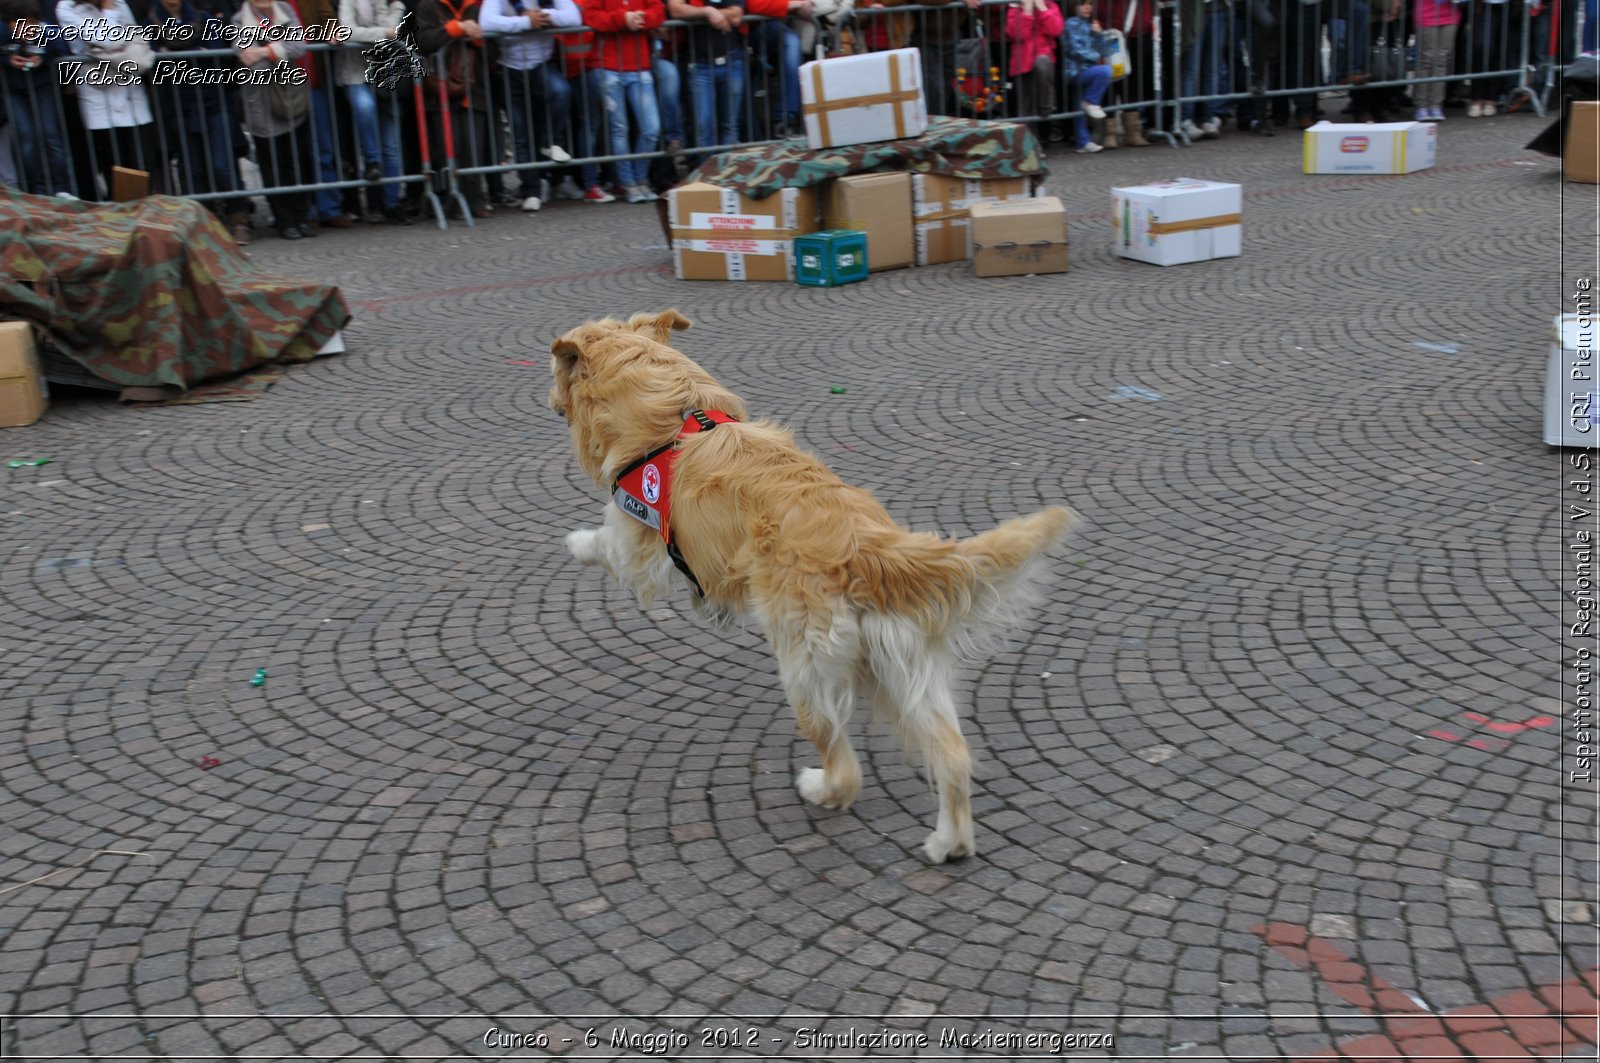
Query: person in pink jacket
point(1032, 27)
point(1437, 22)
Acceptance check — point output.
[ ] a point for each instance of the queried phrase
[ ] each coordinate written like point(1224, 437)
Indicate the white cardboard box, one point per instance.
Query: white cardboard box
point(1387, 147)
point(857, 99)
point(1173, 222)
point(1571, 393)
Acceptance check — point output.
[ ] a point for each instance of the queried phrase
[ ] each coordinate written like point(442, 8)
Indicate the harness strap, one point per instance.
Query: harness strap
point(654, 510)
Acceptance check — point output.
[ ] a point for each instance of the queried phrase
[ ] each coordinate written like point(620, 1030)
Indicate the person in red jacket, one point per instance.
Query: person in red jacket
point(622, 42)
point(1032, 27)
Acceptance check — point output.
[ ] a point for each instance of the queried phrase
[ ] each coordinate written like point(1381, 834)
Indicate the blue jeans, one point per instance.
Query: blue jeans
point(206, 144)
point(718, 96)
point(329, 200)
point(378, 133)
point(635, 91)
point(587, 89)
point(41, 146)
point(1350, 40)
point(1092, 82)
point(1202, 63)
point(780, 39)
point(540, 105)
point(669, 97)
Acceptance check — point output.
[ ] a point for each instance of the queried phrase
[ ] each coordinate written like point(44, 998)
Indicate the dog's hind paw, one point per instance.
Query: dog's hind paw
point(581, 544)
point(940, 848)
point(813, 786)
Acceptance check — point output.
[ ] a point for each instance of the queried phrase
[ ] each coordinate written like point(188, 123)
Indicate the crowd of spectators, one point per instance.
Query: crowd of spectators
point(527, 94)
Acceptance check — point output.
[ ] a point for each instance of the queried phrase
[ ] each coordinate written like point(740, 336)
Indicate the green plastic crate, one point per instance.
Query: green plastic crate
point(830, 258)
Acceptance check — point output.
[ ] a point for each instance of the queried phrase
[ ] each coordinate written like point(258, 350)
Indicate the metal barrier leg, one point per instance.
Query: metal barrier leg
point(1160, 129)
point(450, 157)
point(430, 177)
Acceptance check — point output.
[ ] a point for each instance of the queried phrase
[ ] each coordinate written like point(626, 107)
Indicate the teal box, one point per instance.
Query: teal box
point(831, 257)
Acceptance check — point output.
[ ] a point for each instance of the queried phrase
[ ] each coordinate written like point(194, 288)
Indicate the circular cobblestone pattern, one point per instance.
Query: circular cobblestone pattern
point(1266, 776)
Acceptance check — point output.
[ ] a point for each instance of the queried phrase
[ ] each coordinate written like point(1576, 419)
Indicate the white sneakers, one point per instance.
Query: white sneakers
point(640, 194)
point(1094, 110)
point(1090, 148)
point(1190, 130)
point(556, 153)
point(532, 203)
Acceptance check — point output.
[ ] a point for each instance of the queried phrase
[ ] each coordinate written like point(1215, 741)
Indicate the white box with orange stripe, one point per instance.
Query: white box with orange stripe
point(1172, 222)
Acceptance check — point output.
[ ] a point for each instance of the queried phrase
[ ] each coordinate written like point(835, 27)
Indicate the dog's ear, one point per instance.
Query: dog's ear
point(565, 359)
point(663, 325)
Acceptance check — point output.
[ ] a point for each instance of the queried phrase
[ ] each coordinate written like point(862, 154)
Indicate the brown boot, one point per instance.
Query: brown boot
point(1108, 132)
point(239, 227)
point(1133, 130)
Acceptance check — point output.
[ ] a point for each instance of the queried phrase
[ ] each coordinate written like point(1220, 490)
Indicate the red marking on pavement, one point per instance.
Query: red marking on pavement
point(1544, 1021)
point(207, 763)
point(1493, 745)
point(1510, 728)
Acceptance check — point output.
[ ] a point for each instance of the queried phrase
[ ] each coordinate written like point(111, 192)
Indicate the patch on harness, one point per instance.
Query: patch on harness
point(644, 490)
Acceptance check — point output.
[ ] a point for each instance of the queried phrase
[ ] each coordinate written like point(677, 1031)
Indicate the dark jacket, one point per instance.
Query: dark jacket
point(438, 35)
point(39, 82)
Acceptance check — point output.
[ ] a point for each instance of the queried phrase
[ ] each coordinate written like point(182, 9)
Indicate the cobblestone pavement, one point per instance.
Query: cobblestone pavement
point(1255, 786)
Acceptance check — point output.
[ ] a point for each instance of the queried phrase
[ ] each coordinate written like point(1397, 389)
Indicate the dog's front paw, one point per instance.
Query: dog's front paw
point(813, 786)
point(583, 545)
point(940, 847)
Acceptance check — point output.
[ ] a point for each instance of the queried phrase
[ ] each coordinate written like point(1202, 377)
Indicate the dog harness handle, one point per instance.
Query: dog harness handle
point(643, 490)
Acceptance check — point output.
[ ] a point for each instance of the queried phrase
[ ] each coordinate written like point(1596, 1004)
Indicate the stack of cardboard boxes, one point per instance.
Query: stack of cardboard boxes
point(906, 219)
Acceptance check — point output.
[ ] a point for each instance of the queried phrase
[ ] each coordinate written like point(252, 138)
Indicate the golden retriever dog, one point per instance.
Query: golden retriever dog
point(850, 602)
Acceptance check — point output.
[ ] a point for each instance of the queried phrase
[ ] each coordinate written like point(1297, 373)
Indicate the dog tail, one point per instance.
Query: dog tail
point(1007, 563)
point(968, 592)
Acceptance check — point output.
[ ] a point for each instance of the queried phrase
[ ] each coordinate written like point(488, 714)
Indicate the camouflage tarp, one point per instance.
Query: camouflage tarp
point(153, 293)
point(957, 147)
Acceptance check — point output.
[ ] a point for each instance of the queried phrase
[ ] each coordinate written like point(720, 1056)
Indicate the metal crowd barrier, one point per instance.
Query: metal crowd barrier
point(523, 135)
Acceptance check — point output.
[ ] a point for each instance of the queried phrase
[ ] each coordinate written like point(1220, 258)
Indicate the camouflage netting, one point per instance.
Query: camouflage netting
point(955, 147)
point(153, 293)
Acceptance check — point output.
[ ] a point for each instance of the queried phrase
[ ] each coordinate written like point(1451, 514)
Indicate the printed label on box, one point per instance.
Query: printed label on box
point(737, 222)
point(737, 247)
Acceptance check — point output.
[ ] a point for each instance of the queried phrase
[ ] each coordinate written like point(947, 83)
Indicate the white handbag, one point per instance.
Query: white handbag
point(1115, 46)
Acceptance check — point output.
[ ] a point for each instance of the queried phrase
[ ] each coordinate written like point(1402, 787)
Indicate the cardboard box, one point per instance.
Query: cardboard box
point(941, 209)
point(830, 258)
point(23, 391)
point(857, 99)
point(1384, 147)
point(1173, 222)
point(1572, 383)
point(878, 204)
point(128, 185)
point(720, 235)
point(1580, 155)
point(1019, 237)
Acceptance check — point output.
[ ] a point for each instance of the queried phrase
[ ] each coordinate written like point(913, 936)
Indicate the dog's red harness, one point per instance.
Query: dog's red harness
point(644, 489)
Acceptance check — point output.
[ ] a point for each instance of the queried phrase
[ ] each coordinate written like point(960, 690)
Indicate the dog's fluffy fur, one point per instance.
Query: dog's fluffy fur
point(850, 601)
